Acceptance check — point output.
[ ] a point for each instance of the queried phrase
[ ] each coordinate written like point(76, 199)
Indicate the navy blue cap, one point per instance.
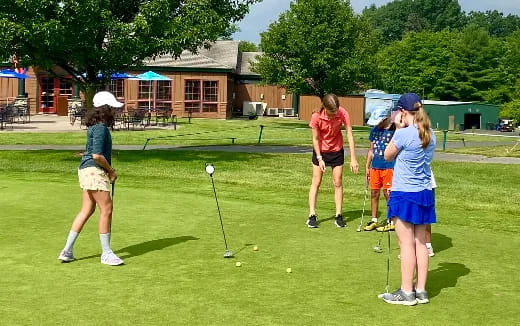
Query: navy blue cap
point(407, 102)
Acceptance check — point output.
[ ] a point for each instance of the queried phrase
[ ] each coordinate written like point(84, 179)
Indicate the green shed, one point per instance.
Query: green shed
point(449, 115)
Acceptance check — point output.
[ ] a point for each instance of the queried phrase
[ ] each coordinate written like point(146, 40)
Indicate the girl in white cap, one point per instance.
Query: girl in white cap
point(96, 174)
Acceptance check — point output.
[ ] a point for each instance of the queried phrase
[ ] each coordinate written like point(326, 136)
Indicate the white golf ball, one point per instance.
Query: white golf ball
point(210, 169)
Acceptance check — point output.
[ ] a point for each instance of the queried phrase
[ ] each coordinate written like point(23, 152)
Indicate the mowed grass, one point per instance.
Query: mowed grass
point(201, 132)
point(166, 228)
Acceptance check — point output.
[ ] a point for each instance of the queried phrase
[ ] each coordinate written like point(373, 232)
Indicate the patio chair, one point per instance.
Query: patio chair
point(136, 117)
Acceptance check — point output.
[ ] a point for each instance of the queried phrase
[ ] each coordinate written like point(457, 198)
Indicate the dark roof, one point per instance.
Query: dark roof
point(244, 63)
point(221, 55)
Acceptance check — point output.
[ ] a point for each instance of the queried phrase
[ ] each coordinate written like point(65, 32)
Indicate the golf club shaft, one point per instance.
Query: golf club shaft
point(388, 262)
point(364, 205)
point(219, 215)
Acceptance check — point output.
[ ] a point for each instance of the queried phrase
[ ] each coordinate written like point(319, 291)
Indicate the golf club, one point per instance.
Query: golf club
point(377, 248)
point(210, 169)
point(364, 205)
point(387, 270)
point(388, 262)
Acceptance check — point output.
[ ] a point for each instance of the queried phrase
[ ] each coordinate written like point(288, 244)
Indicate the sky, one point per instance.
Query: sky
point(263, 13)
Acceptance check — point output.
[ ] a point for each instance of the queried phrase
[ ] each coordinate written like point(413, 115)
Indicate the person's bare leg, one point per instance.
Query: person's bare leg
point(405, 234)
point(88, 206)
point(317, 175)
point(422, 257)
point(337, 180)
point(428, 235)
point(104, 201)
point(374, 201)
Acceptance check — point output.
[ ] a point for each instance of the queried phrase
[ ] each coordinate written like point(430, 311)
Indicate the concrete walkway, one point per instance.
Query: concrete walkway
point(54, 123)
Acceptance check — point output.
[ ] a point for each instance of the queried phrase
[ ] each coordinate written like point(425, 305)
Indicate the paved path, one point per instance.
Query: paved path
point(439, 156)
point(54, 123)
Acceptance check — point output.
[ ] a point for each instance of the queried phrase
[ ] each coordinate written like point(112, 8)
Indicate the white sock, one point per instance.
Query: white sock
point(73, 235)
point(104, 238)
point(407, 293)
point(429, 245)
point(374, 219)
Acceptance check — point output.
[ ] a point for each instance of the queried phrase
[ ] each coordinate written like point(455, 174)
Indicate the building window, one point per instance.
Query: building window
point(155, 94)
point(117, 87)
point(66, 87)
point(201, 96)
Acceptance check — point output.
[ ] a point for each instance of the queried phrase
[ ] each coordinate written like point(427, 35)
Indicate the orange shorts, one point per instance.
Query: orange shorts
point(381, 178)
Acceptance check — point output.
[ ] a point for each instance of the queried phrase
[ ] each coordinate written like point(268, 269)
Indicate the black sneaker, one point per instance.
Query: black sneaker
point(339, 221)
point(312, 221)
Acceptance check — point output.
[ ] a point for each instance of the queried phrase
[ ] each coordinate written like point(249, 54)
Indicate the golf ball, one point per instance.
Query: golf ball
point(288, 270)
point(210, 169)
point(238, 264)
point(255, 248)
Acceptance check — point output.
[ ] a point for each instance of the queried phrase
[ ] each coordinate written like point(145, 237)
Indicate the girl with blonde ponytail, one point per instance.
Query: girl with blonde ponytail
point(411, 204)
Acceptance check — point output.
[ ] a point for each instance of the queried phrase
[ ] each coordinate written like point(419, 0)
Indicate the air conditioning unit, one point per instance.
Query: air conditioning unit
point(256, 107)
point(288, 112)
point(272, 111)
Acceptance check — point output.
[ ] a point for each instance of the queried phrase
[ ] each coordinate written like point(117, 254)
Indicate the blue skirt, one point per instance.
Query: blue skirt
point(412, 207)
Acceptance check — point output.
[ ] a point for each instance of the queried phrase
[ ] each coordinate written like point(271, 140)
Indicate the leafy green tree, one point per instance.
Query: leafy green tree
point(398, 17)
point(317, 47)
point(417, 63)
point(246, 46)
point(87, 37)
point(495, 22)
point(511, 110)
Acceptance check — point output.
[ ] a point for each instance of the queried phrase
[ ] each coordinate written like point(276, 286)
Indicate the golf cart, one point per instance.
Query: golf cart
point(506, 125)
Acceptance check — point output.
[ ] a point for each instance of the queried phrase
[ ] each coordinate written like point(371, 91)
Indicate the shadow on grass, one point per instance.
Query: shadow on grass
point(147, 246)
point(445, 276)
point(441, 242)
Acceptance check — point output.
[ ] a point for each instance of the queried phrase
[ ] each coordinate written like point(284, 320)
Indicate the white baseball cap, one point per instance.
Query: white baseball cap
point(106, 98)
point(377, 116)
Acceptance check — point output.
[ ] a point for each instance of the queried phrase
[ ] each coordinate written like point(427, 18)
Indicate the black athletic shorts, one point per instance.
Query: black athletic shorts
point(331, 159)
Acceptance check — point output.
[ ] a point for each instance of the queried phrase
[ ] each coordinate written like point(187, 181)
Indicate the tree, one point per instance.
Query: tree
point(245, 46)
point(88, 37)
point(398, 17)
point(418, 63)
point(317, 47)
point(495, 22)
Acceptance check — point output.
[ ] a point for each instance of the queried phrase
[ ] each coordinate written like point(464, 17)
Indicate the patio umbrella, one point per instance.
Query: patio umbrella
point(150, 76)
point(9, 73)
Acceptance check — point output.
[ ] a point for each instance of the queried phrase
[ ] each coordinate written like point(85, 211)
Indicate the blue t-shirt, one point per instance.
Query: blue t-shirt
point(99, 141)
point(380, 138)
point(412, 172)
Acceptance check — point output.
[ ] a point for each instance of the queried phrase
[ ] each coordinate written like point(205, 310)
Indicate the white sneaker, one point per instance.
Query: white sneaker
point(111, 259)
point(66, 256)
point(430, 251)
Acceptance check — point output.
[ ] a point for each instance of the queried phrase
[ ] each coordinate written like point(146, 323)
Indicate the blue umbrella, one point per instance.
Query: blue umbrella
point(150, 76)
point(9, 73)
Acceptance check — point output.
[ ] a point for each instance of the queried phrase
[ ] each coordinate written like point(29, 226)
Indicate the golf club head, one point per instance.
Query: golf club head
point(380, 296)
point(228, 254)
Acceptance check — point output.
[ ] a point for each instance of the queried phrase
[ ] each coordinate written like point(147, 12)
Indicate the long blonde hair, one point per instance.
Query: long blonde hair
point(423, 124)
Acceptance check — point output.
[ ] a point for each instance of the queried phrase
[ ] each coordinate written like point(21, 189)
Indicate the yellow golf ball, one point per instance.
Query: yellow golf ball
point(238, 264)
point(255, 248)
point(288, 270)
